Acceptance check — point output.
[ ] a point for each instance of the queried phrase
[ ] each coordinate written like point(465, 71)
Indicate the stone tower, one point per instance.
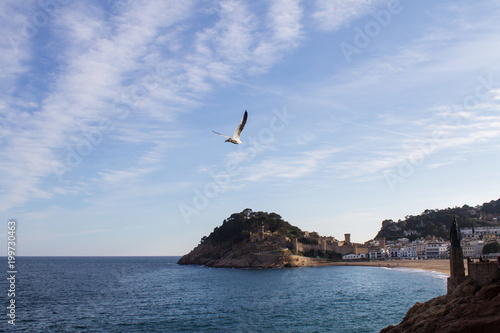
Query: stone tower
point(457, 269)
point(295, 243)
point(381, 242)
point(260, 231)
point(347, 238)
point(323, 246)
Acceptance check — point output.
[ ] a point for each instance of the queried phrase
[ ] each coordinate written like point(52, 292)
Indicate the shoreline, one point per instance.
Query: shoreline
point(435, 265)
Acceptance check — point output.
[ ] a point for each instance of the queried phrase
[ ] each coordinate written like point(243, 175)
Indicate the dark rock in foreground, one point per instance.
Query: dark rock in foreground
point(471, 308)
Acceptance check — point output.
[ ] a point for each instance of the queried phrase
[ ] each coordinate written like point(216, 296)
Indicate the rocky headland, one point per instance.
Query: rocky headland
point(240, 255)
point(249, 240)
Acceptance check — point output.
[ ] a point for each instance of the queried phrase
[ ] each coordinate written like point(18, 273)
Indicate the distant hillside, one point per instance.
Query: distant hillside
point(437, 222)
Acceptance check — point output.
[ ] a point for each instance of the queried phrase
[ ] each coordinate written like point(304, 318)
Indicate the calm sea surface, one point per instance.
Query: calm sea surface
point(154, 294)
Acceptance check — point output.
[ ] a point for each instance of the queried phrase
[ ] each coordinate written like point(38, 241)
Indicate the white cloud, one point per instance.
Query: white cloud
point(119, 59)
point(14, 44)
point(285, 29)
point(97, 63)
point(334, 15)
point(290, 167)
point(475, 132)
point(241, 40)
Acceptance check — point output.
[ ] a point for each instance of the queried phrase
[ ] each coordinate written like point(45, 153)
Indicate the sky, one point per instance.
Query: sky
point(358, 111)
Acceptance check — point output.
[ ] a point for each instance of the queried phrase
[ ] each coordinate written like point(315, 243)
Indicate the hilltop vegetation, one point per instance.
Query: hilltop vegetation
point(238, 226)
point(437, 222)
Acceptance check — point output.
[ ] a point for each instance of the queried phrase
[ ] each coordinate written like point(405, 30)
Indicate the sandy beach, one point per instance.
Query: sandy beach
point(437, 265)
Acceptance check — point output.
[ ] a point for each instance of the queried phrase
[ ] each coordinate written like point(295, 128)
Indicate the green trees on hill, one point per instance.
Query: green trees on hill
point(238, 226)
point(491, 248)
point(492, 207)
point(437, 222)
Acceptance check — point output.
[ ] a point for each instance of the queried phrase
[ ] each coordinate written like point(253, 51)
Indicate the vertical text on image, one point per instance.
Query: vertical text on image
point(11, 271)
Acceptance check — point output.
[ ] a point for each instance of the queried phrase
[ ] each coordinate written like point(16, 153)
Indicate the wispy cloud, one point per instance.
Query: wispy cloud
point(460, 132)
point(283, 20)
point(240, 40)
point(334, 15)
point(289, 167)
point(93, 76)
point(132, 56)
point(14, 44)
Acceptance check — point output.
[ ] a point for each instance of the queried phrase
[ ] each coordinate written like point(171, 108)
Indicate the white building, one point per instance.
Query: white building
point(376, 254)
point(473, 249)
point(478, 250)
point(405, 252)
point(436, 250)
point(408, 252)
point(352, 256)
point(480, 231)
point(393, 252)
point(468, 251)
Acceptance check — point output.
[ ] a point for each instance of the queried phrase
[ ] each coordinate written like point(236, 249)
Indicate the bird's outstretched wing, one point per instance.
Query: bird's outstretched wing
point(222, 135)
point(240, 126)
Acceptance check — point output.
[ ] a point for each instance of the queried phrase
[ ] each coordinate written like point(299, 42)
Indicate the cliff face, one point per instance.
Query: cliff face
point(471, 308)
point(240, 255)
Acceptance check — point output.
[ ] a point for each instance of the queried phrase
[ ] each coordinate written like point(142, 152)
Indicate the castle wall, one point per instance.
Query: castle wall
point(362, 250)
point(267, 258)
point(483, 272)
point(346, 249)
point(325, 245)
point(309, 247)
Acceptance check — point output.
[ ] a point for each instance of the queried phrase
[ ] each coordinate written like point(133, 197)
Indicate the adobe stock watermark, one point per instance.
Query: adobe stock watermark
point(213, 188)
point(372, 29)
point(415, 159)
point(93, 137)
point(11, 271)
point(38, 20)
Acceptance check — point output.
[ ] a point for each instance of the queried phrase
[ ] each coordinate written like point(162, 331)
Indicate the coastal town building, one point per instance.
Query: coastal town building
point(480, 231)
point(472, 249)
point(377, 254)
point(312, 244)
point(352, 256)
point(437, 250)
point(432, 248)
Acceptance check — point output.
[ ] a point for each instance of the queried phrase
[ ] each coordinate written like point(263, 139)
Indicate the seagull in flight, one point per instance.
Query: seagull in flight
point(236, 137)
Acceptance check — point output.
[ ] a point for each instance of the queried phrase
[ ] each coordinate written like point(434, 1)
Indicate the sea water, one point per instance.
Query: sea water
point(154, 294)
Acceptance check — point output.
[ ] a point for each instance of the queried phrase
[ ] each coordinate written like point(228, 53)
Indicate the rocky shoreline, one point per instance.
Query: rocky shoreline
point(471, 308)
point(244, 255)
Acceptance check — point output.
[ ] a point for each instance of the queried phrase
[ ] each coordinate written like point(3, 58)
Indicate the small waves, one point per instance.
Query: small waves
point(157, 295)
point(434, 274)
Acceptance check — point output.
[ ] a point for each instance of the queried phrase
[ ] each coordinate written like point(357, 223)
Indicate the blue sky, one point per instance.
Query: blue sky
point(358, 111)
